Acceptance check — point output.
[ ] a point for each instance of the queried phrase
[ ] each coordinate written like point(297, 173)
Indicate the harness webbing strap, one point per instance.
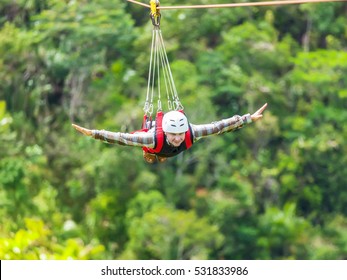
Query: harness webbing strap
point(146, 123)
point(159, 135)
point(188, 139)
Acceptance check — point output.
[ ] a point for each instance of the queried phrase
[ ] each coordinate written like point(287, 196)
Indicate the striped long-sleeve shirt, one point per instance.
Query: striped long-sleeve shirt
point(146, 139)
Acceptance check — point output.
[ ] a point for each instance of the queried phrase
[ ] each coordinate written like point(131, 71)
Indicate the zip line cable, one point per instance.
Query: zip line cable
point(139, 3)
point(234, 5)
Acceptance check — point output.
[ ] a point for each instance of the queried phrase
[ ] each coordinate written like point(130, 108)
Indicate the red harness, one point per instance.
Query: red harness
point(159, 133)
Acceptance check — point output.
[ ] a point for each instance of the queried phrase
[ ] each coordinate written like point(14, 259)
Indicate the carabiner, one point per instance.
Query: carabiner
point(159, 106)
point(155, 19)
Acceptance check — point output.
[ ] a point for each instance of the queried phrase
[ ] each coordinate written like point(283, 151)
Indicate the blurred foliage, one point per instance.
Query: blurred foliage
point(272, 190)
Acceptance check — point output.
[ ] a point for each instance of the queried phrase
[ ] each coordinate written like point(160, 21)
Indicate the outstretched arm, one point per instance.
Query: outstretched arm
point(142, 139)
point(226, 125)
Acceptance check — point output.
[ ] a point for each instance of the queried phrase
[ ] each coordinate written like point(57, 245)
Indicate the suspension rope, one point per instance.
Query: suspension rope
point(158, 49)
point(159, 69)
point(169, 80)
point(160, 77)
point(234, 5)
point(148, 108)
point(167, 83)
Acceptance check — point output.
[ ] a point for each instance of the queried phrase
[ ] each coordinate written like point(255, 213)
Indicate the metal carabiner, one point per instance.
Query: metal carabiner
point(160, 108)
point(150, 110)
point(178, 105)
point(155, 19)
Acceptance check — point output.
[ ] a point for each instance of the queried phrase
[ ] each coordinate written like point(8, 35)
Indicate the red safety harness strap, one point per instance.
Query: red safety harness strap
point(188, 136)
point(159, 135)
point(188, 139)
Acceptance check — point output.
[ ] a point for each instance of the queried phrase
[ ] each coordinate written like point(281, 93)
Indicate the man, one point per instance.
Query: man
point(172, 133)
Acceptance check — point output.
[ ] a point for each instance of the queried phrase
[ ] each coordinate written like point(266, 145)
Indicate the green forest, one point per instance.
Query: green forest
point(273, 190)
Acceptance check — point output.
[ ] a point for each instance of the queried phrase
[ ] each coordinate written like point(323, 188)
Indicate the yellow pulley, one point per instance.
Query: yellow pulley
point(155, 13)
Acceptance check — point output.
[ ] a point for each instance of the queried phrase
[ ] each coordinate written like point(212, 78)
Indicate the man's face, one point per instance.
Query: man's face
point(175, 139)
